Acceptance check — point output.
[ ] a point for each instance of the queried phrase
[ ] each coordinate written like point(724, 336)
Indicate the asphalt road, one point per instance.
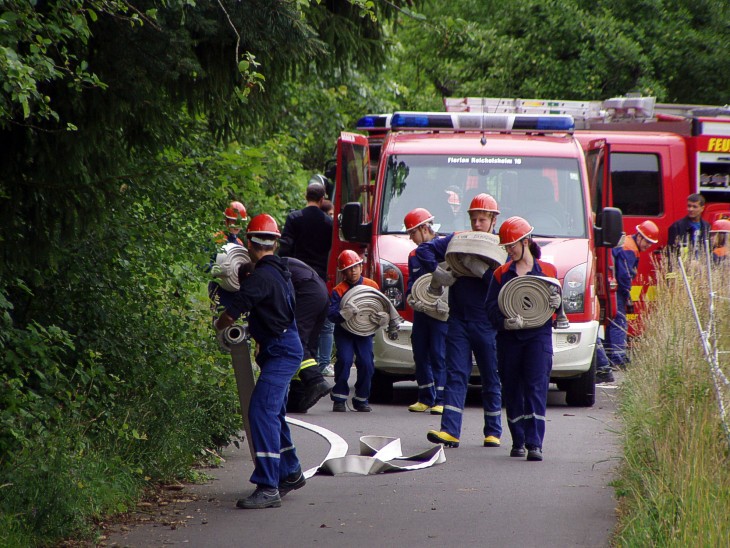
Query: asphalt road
point(479, 496)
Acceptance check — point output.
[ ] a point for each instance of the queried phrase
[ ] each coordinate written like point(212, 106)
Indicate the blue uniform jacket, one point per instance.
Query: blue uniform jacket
point(625, 262)
point(268, 295)
point(416, 269)
point(468, 296)
point(338, 292)
point(502, 275)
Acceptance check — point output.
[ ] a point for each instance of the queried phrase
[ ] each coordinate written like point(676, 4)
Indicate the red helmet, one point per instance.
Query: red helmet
point(649, 231)
point(235, 211)
point(416, 218)
point(347, 259)
point(484, 202)
point(721, 225)
point(263, 225)
point(513, 230)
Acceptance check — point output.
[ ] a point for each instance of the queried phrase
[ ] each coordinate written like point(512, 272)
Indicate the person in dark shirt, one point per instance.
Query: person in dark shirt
point(266, 293)
point(690, 232)
point(307, 234)
point(307, 386)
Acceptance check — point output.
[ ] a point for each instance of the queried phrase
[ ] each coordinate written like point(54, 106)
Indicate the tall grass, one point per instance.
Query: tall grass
point(674, 486)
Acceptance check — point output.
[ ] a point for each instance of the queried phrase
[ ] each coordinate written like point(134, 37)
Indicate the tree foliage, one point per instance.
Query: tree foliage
point(569, 49)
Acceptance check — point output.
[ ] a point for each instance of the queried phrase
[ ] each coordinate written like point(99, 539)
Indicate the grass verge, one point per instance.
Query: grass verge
point(674, 485)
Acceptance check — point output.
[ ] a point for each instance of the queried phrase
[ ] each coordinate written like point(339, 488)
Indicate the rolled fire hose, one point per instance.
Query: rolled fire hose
point(435, 306)
point(226, 266)
point(529, 296)
point(376, 452)
point(483, 245)
point(367, 300)
point(236, 337)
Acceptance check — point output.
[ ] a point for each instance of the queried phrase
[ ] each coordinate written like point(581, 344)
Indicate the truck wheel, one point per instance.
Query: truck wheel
point(581, 392)
point(381, 388)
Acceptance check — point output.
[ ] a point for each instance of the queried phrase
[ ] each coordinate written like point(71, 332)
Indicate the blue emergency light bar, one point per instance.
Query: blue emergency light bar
point(480, 121)
point(373, 122)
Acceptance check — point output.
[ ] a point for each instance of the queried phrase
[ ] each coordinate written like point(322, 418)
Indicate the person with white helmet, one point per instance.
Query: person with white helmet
point(719, 231)
point(525, 355)
point(266, 294)
point(428, 334)
point(468, 331)
point(626, 264)
point(349, 346)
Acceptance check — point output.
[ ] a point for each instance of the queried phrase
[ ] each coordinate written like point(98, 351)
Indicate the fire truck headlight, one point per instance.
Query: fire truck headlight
point(392, 283)
point(574, 289)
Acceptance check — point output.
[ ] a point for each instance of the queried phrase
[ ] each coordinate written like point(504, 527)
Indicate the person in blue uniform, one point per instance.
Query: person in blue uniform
point(468, 331)
point(525, 355)
point(428, 335)
point(626, 264)
point(350, 346)
point(267, 295)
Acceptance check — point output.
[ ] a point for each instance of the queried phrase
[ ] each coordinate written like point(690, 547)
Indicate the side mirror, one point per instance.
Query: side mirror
point(351, 224)
point(609, 227)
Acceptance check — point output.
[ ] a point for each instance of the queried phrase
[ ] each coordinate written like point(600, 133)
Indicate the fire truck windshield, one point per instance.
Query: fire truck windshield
point(548, 192)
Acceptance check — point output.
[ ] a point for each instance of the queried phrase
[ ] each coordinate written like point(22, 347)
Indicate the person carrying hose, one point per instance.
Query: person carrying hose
point(525, 355)
point(267, 295)
point(428, 335)
point(349, 345)
point(468, 330)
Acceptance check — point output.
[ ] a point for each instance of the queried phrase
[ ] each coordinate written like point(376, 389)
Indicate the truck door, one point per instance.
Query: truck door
point(598, 170)
point(352, 185)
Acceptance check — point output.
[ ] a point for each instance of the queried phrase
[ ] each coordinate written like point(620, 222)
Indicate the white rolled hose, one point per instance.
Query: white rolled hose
point(226, 266)
point(435, 306)
point(367, 300)
point(482, 245)
point(529, 297)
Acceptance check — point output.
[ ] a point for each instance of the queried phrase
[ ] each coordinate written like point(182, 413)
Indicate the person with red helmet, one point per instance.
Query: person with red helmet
point(235, 217)
point(428, 335)
point(469, 331)
point(266, 294)
point(350, 346)
point(719, 231)
point(626, 263)
point(525, 355)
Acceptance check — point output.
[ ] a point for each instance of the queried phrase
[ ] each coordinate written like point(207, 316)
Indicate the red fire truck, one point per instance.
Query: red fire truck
point(532, 165)
point(569, 162)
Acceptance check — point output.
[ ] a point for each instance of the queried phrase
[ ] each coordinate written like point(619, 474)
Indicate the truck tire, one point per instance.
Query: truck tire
point(381, 388)
point(581, 392)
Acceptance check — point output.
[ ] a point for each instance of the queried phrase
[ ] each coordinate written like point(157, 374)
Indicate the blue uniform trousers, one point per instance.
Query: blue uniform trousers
point(349, 347)
point(428, 340)
point(602, 362)
point(524, 367)
point(463, 338)
point(276, 458)
point(615, 343)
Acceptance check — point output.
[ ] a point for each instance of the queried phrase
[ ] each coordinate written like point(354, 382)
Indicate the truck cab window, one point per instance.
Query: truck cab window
point(636, 183)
